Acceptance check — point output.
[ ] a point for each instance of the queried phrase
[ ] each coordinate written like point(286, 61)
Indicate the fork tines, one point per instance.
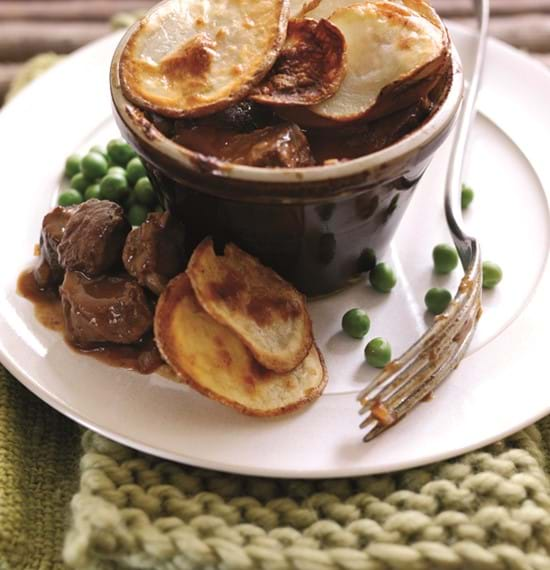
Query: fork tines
point(417, 373)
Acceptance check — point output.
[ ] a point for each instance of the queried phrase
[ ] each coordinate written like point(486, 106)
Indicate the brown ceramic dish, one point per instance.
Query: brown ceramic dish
point(309, 224)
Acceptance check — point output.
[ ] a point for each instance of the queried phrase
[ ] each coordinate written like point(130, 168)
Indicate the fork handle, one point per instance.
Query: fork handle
point(465, 245)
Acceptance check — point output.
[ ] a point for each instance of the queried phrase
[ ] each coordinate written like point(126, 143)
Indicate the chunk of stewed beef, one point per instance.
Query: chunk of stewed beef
point(104, 309)
point(48, 271)
point(153, 253)
point(282, 145)
point(94, 238)
point(279, 146)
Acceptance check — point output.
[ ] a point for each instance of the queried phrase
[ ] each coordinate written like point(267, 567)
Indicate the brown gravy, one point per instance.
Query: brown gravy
point(47, 304)
point(142, 357)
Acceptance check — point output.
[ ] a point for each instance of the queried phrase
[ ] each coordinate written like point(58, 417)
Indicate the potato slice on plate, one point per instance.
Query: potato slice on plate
point(189, 58)
point(386, 44)
point(212, 359)
point(265, 312)
point(310, 67)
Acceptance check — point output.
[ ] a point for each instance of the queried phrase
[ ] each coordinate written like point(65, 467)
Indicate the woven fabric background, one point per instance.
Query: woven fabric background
point(39, 459)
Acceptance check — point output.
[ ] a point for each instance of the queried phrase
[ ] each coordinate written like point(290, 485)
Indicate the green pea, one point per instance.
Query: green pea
point(378, 352)
point(80, 182)
point(144, 193)
point(94, 166)
point(356, 323)
point(117, 170)
point(445, 258)
point(99, 150)
point(367, 260)
point(382, 278)
point(437, 300)
point(466, 196)
point(137, 214)
point(113, 187)
point(129, 201)
point(120, 152)
point(72, 165)
point(492, 274)
point(135, 170)
point(70, 198)
point(93, 192)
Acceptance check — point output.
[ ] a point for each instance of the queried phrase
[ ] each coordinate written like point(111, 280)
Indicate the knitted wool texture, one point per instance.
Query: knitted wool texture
point(486, 510)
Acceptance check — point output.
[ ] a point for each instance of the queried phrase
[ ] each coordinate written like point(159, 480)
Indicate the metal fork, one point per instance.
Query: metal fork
point(413, 377)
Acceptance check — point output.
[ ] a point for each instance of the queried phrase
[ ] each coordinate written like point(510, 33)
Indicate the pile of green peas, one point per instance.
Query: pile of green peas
point(115, 173)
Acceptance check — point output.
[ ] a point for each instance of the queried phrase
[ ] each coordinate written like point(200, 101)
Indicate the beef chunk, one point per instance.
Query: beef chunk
point(281, 146)
point(104, 309)
point(153, 253)
point(94, 238)
point(49, 272)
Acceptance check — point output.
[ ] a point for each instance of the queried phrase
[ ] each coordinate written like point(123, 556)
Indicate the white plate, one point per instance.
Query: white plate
point(500, 387)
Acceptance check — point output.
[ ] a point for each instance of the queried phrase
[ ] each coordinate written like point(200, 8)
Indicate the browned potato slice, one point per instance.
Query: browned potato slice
point(212, 359)
point(393, 98)
point(401, 94)
point(386, 44)
point(189, 59)
point(310, 67)
point(265, 312)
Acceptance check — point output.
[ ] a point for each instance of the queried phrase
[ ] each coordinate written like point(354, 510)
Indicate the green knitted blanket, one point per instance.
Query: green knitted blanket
point(486, 510)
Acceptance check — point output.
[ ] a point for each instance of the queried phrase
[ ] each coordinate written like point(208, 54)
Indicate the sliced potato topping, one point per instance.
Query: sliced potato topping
point(310, 67)
point(213, 360)
point(325, 8)
point(189, 58)
point(262, 309)
point(386, 44)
